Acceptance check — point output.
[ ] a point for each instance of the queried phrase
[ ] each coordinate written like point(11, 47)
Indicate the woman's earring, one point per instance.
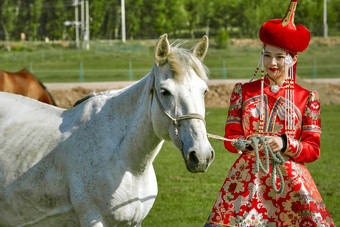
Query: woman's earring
point(288, 59)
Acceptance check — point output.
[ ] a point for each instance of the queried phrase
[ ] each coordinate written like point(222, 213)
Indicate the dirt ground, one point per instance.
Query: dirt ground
point(65, 95)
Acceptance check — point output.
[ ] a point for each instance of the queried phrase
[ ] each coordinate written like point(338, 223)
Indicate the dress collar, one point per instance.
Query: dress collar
point(270, 82)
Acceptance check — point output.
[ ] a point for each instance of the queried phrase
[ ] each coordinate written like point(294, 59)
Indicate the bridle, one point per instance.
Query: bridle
point(175, 120)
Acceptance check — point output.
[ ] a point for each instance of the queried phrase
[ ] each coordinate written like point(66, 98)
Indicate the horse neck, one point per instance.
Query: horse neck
point(141, 145)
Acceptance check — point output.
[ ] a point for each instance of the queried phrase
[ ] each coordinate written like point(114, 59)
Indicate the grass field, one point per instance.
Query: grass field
point(185, 199)
point(112, 60)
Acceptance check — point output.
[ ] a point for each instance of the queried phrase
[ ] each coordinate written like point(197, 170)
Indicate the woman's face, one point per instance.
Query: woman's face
point(274, 62)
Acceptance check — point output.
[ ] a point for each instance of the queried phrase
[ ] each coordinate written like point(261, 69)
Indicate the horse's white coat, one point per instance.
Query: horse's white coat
point(91, 165)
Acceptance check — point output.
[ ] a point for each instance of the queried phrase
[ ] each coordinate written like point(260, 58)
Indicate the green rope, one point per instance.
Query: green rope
point(276, 157)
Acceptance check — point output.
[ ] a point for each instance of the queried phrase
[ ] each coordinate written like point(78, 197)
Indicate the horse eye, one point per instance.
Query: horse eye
point(165, 92)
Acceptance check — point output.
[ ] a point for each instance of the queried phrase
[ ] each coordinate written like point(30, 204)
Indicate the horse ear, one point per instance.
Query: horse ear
point(201, 48)
point(162, 49)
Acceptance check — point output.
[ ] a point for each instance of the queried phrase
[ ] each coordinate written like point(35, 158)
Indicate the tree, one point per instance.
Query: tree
point(151, 18)
point(133, 15)
point(98, 15)
point(334, 17)
point(176, 17)
point(7, 8)
point(192, 15)
point(35, 13)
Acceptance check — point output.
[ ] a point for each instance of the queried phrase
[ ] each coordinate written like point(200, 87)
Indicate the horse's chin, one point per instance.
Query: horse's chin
point(195, 164)
point(194, 168)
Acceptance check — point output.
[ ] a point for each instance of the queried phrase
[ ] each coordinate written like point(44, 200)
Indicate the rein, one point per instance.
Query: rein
point(176, 121)
point(276, 157)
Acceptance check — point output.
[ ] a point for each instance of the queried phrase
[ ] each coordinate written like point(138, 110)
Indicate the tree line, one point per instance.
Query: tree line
point(39, 19)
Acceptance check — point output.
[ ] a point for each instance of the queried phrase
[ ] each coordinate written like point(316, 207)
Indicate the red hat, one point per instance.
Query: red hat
point(284, 34)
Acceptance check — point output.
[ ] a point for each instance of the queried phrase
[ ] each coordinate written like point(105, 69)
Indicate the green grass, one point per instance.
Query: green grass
point(109, 61)
point(326, 170)
point(185, 199)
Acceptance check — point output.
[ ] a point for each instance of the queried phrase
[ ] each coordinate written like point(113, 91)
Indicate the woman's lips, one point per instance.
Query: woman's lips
point(273, 69)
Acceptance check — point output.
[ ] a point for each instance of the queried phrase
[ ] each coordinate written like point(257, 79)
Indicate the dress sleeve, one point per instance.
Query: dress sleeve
point(308, 148)
point(233, 128)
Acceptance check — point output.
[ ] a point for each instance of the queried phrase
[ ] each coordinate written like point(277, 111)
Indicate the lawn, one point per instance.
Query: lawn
point(185, 199)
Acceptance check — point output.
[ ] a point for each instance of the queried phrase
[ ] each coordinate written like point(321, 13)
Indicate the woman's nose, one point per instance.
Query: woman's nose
point(273, 61)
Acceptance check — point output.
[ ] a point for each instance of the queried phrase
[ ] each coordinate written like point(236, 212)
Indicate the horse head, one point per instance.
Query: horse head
point(178, 107)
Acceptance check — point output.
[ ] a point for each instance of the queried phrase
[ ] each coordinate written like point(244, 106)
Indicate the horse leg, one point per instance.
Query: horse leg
point(87, 212)
point(139, 225)
point(91, 219)
point(89, 215)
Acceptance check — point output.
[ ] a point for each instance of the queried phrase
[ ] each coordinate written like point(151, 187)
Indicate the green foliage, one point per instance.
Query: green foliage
point(185, 199)
point(150, 18)
point(132, 19)
point(222, 39)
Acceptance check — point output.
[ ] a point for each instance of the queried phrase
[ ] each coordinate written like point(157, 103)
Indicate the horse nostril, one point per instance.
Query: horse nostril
point(212, 155)
point(193, 158)
point(210, 158)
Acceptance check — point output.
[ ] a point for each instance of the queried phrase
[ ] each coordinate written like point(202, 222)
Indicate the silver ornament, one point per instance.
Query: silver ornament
point(275, 88)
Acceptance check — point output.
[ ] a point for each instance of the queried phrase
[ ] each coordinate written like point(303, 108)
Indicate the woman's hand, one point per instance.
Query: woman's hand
point(275, 142)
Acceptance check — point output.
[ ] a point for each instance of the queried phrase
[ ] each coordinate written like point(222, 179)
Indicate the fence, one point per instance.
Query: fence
point(82, 74)
point(116, 63)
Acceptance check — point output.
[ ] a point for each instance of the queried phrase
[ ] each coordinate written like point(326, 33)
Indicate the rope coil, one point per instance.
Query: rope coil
point(276, 157)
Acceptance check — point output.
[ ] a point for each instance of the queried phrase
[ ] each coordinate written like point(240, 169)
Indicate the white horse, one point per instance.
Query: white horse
point(91, 165)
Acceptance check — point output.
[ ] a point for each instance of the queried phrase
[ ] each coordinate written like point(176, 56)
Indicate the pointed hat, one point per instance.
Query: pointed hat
point(284, 33)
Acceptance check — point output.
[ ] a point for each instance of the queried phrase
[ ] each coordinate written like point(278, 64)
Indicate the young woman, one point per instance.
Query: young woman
point(288, 115)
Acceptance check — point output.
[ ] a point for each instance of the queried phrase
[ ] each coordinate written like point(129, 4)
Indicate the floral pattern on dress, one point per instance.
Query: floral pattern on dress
point(247, 198)
point(312, 120)
point(235, 107)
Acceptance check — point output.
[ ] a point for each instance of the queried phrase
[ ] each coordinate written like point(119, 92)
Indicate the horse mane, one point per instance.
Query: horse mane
point(180, 60)
point(47, 92)
point(83, 99)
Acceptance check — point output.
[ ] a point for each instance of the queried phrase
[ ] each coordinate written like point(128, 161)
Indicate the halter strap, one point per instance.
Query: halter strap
point(175, 121)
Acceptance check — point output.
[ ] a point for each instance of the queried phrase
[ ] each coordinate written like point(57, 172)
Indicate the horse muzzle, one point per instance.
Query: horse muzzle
point(199, 161)
point(191, 139)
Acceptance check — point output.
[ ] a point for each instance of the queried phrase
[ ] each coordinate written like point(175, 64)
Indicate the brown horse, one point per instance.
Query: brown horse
point(24, 83)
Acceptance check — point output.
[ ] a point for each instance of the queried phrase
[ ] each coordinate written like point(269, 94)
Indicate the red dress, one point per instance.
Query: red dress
point(248, 199)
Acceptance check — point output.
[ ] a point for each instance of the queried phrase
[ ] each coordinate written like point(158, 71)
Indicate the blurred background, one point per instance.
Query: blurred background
point(110, 40)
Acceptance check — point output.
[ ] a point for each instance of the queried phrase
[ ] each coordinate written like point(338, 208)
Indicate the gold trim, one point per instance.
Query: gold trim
point(289, 18)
